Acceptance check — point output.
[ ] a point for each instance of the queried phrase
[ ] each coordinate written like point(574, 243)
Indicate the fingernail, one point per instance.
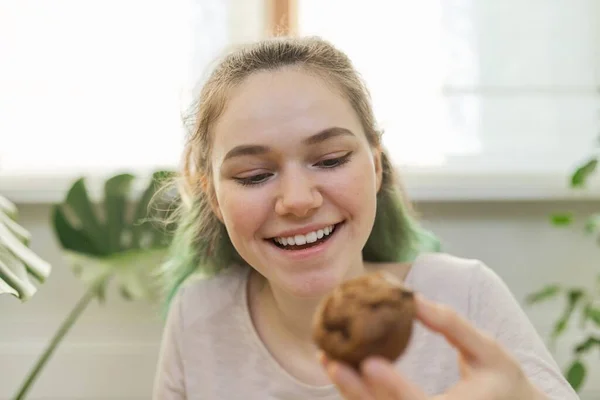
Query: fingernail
point(373, 367)
point(342, 376)
point(338, 374)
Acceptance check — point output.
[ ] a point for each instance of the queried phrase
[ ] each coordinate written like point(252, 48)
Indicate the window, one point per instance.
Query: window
point(477, 85)
point(99, 85)
point(483, 86)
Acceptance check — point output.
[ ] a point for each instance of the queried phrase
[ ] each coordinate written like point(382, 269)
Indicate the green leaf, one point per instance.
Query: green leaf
point(79, 202)
point(6, 288)
point(17, 230)
point(592, 314)
point(101, 293)
point(10, 244)
point(576, 374)
point(584, 315)
point(125, 294)
point(586, 345)
point(573, 297)
point(13, 276)
point(8, 208)
point(592, 223)
point(72, 238)
point(562, 219)
point(89, 269)
point(17, 260)
point(546, 293)
point(133, 271)
point(131, 268)
point(559, 328)
point(581, 175)
point(116, 191)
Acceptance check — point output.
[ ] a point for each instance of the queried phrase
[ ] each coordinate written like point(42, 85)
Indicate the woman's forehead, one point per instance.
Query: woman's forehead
point(287, 101)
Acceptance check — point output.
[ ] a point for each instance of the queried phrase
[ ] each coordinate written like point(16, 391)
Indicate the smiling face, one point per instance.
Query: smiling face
point(291, 163)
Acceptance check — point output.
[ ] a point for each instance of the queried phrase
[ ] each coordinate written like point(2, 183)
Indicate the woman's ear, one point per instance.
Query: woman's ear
point(377, 154)
point(209, 192)
point(216, 209)
point(214, 204)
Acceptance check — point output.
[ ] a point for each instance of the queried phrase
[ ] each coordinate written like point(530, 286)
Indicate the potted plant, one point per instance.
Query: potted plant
point(578, 300)
point(120, 238)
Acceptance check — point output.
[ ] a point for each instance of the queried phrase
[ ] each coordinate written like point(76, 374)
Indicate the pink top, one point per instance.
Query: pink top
point(211, 350)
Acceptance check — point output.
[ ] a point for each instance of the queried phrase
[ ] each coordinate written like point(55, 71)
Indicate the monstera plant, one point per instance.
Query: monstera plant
point(577, 300)
point(18, 263)
point(120, 238)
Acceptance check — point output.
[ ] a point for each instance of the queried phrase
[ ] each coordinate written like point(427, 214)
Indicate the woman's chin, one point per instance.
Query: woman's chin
point(313, 285)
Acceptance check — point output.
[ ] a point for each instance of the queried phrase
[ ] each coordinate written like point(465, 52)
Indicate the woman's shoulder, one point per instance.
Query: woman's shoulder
point(202, 297)
point(434, 267)
point(445, 266)
point(451, 279)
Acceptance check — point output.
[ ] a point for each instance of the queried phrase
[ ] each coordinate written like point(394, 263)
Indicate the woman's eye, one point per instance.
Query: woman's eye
point(334, 162)
point(254, 179)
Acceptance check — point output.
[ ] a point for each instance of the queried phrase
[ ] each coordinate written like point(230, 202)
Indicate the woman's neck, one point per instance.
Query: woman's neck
point(291, 315)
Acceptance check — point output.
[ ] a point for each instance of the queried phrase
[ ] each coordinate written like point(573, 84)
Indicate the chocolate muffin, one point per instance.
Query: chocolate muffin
point(371, 315)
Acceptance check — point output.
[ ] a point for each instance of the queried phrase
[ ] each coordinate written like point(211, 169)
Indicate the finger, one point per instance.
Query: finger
point(472, 343)
point(388, 383)
point(380, 392)
point(468, 390)
point(348, 382)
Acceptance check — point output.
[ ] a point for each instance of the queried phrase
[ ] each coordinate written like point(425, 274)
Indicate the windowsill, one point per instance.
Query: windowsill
point(421, 185)
point(460, 186)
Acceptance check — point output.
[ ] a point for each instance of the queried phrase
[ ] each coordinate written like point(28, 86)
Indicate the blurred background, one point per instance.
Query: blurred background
point(489, 108)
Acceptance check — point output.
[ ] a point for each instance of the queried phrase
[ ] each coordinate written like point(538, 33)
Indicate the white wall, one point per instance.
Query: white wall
point(112, 351)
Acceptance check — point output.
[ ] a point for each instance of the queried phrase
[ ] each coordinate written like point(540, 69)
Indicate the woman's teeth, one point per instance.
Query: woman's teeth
point(300, 240)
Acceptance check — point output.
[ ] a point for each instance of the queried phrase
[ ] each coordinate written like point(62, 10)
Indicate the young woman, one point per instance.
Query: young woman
point(287, 193)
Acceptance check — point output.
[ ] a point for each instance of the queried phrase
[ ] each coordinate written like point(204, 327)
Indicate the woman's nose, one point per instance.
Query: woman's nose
point(298, 195)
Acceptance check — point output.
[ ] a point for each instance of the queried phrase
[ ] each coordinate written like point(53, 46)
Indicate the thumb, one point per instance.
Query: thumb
point(388, 383)
point(464, 368)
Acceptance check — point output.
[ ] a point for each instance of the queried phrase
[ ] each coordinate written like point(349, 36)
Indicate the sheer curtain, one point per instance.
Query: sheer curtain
point(98, 85)
point(474, 85)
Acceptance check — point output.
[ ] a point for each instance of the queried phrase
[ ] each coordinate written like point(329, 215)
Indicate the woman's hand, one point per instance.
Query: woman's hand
point(488, 372)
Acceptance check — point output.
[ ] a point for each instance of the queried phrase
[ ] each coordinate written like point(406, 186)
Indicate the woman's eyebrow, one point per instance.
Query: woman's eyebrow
point(327, 134)
point(319, 137)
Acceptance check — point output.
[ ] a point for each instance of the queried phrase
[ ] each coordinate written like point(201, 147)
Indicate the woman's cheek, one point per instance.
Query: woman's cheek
point(244, 209)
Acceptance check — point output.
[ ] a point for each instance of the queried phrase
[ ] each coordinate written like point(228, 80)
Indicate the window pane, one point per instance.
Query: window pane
point(486, 84)
point(100, 84)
